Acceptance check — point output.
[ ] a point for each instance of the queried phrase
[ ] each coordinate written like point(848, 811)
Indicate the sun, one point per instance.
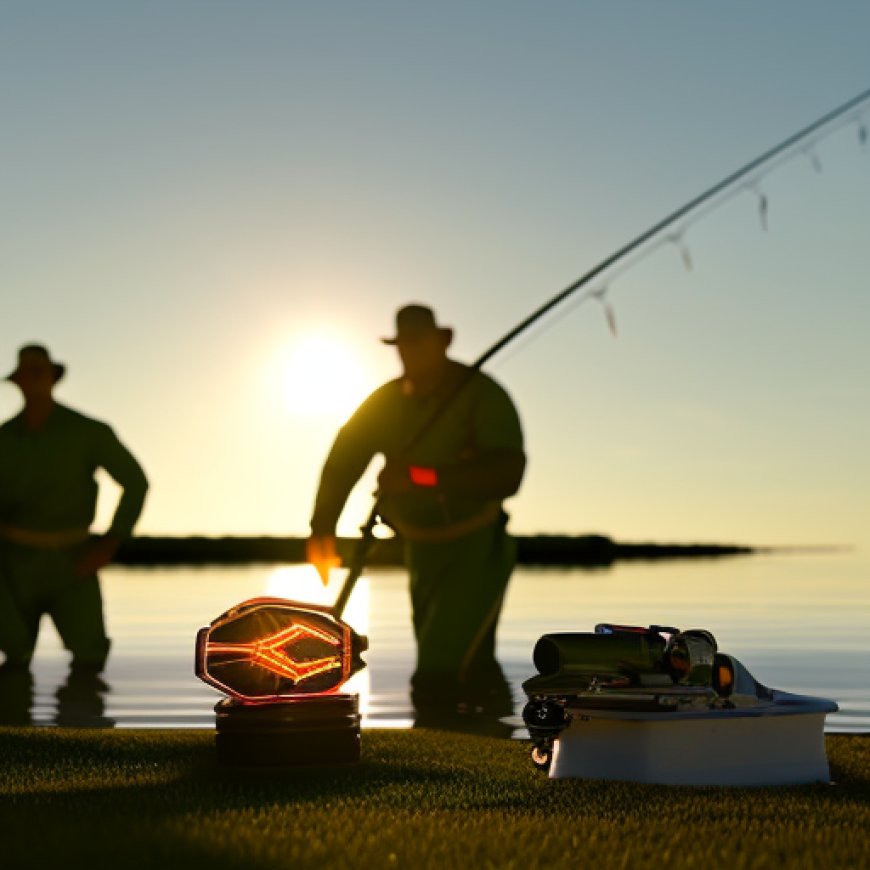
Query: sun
point(323, 377)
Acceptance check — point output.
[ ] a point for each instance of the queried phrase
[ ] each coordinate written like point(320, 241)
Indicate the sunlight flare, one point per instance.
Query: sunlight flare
point(323, 377)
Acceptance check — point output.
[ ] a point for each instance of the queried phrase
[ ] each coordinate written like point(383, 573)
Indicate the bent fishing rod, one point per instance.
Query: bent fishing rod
point(728, 182)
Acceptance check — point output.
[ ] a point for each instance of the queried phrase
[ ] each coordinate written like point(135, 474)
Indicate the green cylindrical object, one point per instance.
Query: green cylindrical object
point(622, 653)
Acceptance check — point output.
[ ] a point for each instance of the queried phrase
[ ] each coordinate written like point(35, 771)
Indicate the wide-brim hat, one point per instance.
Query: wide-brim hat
point(36, 353)
point(415, 321)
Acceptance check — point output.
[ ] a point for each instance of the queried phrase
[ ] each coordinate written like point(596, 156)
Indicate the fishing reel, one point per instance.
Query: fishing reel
point(620, 667)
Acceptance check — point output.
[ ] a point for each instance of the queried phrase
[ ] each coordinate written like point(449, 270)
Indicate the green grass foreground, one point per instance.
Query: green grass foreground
point(132, 799)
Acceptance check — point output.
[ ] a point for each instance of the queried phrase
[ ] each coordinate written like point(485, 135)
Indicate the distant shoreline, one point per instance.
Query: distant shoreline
point(541, 550)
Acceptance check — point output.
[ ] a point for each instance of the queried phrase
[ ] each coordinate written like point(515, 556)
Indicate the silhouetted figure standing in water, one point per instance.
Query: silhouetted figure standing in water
point(444, 497)
point(48, 559)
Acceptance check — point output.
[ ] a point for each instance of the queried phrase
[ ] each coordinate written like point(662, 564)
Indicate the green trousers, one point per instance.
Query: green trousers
point(36, 582)
point(457, 592)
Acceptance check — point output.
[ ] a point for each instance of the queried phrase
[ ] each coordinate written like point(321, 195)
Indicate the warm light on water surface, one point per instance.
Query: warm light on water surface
point(302, 583)
point(798, 622)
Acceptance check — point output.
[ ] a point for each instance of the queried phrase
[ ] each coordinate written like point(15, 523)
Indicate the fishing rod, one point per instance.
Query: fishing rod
point(364, 545)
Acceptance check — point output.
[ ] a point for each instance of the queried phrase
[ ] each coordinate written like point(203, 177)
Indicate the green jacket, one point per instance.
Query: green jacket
point(479, 423)
point(47, 477)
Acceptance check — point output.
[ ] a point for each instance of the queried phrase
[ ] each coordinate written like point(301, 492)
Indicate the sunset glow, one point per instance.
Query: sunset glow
point(322, 377)
point(214, 246)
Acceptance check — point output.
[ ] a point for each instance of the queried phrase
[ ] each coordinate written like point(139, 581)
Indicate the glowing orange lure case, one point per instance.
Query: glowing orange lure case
point(270, 649)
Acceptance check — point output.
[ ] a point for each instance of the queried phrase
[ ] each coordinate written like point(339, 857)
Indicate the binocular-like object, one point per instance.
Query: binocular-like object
point(620, 656)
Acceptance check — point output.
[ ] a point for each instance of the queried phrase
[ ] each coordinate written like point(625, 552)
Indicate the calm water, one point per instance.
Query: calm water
point(799, 623)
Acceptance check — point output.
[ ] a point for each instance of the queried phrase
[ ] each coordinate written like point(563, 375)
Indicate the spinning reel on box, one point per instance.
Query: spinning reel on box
point(618, 667)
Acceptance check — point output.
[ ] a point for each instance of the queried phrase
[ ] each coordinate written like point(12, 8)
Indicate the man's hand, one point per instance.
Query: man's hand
point(321, 552)
point(394, 478)
point(97, 554)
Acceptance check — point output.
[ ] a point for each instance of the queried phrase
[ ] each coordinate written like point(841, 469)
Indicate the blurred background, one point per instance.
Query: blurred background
point(211, 210)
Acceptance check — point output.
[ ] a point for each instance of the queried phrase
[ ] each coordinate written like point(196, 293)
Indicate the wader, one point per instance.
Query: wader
point(457, 592)
point(37, 581)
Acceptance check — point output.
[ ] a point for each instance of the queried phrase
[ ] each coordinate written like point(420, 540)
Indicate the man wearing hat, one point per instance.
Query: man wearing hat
point(441, 489)
point(48, 495)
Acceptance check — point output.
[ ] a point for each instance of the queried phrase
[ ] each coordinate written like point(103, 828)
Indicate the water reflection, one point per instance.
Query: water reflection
point(79, 701)
point(16, 695)
point(797, 622)
point(479, 705)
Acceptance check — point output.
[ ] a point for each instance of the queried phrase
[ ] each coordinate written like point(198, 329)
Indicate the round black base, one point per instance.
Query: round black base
point(317, 729)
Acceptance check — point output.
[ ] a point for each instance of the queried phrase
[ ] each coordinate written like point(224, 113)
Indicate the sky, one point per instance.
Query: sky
point(210, 212)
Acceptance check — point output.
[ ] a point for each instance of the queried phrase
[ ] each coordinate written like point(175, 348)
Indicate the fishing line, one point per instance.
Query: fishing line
point(788, 151)
point(717, 194)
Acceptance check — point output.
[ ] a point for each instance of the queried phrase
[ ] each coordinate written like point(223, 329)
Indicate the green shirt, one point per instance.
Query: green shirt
point(47, 476)
point(479, 419)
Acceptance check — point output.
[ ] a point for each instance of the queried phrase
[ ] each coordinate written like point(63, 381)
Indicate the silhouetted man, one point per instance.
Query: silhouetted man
point(48, 560)
point(443, 495)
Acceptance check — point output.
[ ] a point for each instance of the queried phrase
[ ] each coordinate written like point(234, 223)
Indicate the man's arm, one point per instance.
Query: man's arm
point(122, 466)
point(344, 466)
point(352, 451)
point(494, 474)
point(497, 462)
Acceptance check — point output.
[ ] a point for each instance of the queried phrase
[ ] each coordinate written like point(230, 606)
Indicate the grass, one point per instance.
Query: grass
point(135, 799)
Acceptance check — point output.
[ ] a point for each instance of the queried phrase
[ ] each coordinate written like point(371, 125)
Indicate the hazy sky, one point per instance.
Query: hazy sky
point(194, 192)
